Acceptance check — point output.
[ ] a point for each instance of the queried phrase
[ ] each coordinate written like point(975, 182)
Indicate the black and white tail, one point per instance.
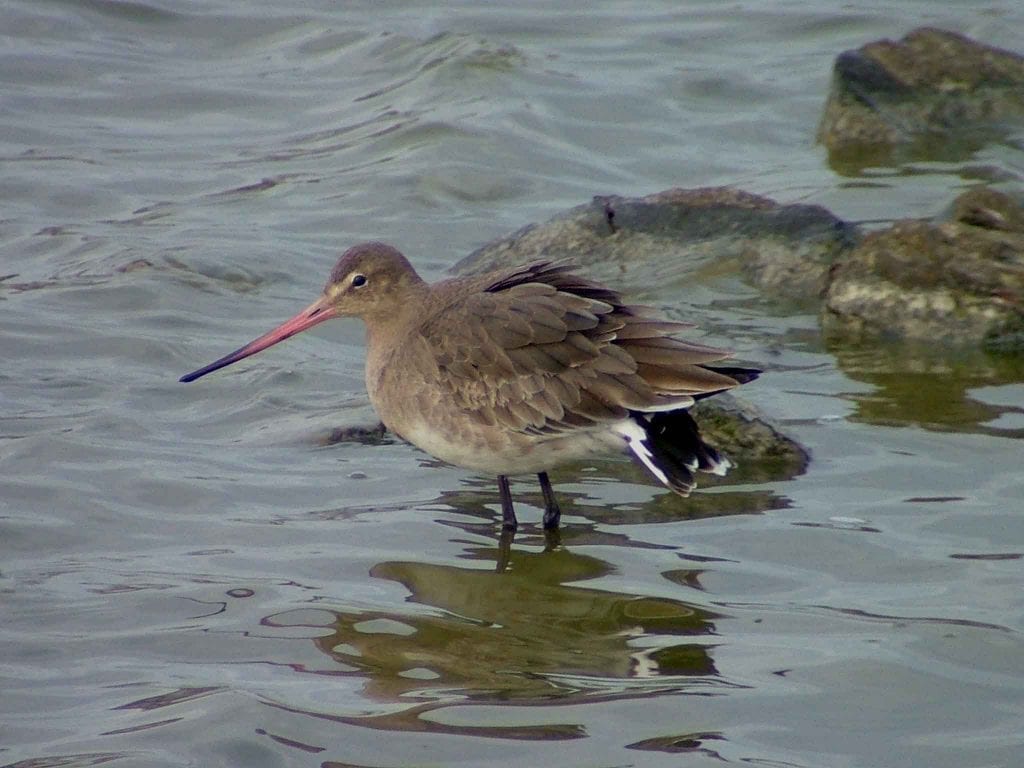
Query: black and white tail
point(669, 444)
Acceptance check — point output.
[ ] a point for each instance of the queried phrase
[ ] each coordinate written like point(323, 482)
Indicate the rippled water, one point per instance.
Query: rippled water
point(208, 575)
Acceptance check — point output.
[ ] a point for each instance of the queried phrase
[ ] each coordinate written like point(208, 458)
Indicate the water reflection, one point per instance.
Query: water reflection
point(960, 148)
point(715, 497)
point(511, 622)
point(928, 387)
point(528, 634)
point(694, 743)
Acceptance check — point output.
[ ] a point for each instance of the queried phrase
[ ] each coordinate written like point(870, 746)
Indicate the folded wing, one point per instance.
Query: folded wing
point(552, 351)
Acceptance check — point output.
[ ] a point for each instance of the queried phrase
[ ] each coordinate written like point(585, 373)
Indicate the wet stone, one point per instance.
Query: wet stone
point(933, 95)
point(952, 282)
point(666, 237)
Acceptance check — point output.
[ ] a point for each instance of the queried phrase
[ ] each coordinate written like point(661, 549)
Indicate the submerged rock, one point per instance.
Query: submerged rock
point(934, 94)
point(957, 282)
point(669, 236)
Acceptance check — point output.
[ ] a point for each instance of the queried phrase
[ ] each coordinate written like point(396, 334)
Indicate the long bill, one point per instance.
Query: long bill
point(314, 314)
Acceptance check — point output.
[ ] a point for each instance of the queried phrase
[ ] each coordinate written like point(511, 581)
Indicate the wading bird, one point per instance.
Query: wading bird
point(520, 370)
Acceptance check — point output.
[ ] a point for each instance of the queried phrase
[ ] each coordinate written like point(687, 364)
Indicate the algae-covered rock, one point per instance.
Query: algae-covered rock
point(956, 282)
point(743, 433)
point(932, 95)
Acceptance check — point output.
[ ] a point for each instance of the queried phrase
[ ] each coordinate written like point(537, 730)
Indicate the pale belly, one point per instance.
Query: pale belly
point(512, 454)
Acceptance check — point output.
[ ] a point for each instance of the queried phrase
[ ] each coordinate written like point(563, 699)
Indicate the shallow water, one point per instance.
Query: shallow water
point(206, 575)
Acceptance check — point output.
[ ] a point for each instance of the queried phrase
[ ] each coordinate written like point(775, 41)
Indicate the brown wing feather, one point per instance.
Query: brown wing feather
point(552, 350)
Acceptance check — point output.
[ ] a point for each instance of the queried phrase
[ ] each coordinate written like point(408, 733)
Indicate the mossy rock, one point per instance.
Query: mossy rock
point(934, 94)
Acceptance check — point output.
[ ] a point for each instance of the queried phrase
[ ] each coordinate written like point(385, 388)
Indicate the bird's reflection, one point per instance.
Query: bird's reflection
point(512, 622)
point(714, 498)
point(552, 540)
point(521, 632)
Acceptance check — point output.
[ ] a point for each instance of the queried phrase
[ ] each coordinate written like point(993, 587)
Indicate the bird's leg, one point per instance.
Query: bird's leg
point(552, 514)
point(508, 512)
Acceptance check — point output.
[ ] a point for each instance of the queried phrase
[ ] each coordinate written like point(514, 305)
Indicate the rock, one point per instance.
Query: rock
point(932, 95)
point(741, 432)
point(957, 282)
point(988, 208)
point(665, 238)
point(374, 433)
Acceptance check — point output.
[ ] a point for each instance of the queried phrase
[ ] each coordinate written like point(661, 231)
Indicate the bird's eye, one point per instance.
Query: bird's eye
point(358, 281)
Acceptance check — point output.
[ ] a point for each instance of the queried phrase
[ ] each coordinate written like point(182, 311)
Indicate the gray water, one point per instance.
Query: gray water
point(205, 575)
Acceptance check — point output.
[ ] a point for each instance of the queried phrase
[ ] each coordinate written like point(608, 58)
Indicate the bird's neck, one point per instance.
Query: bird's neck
point(390, 337)
point(388, 326)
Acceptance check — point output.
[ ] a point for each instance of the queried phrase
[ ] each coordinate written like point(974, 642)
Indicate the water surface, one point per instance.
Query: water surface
point(206, 575)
